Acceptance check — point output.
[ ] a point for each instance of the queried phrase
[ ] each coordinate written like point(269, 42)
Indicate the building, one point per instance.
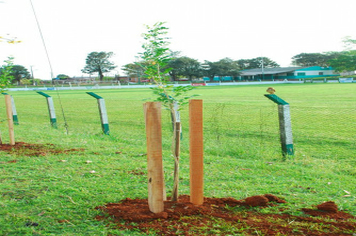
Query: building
point(289, 73)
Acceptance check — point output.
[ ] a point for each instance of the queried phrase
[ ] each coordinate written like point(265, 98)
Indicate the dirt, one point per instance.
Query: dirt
point(27, 149)
point(228, 216)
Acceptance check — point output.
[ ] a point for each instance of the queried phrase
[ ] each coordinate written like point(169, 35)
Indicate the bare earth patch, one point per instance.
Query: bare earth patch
point(227, 216)
point(27, 149)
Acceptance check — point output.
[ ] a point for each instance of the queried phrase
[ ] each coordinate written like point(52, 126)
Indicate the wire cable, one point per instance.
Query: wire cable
point(43, 41)
point(50, 66)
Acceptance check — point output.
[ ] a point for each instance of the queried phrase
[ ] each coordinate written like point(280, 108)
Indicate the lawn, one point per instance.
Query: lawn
point(54, 191)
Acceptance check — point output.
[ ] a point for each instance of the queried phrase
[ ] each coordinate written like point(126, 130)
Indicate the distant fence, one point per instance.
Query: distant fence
point(97, 86)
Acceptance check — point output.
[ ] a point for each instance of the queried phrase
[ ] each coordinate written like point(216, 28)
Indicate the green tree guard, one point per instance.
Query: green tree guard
point(285, 124)
point(103, 114)
point(52, 113)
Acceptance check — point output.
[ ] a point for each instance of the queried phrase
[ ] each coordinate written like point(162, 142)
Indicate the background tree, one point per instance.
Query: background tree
point(257, 62)
point(5, 74)
point(314, 59)
point(18, 73)
point(98, 62)
point(62, 76)
point(228, 67)
point(345, 61)
point(210, 69)
point(244, 64)
point(349, 43)
point(185, 67)
point(223, 67)
point(134, 69)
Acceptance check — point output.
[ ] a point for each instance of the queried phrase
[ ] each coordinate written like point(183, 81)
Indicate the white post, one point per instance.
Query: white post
point(14, 112)
point(285, 127)
point(52, 113)
point(103, 116)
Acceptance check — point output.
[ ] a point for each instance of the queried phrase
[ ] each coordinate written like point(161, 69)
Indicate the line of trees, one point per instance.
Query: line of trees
point(186, 67)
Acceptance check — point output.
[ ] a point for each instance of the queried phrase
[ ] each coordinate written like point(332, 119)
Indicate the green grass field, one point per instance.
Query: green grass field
point(241, 142)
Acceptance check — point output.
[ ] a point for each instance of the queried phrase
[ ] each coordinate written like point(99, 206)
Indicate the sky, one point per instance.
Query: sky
point(203, 30)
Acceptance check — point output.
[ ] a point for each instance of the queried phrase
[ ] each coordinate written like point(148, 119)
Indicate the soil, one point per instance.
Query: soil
point(27, 149)
point(227, 216)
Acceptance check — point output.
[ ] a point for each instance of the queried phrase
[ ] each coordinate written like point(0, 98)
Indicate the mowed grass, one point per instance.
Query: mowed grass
point(42, 195)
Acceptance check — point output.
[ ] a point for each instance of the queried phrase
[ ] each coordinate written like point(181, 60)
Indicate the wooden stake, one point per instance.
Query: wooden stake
point(10, 119)
point(196, 151)
point(154, 156)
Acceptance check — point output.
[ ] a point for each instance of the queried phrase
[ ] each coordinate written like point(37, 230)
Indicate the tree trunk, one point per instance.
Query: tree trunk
point(101, 76)
point(176, 154)
point(175, 149)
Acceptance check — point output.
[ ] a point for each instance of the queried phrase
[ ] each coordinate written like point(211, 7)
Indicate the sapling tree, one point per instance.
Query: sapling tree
point(6, 77)
point(6, 74)
point(155, 59)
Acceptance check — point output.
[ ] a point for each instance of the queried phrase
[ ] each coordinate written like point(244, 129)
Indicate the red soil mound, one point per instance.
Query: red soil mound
point(223, 216)
point(328, 206)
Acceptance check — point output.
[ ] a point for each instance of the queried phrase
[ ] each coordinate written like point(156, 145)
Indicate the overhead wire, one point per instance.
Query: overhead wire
point(50, 65)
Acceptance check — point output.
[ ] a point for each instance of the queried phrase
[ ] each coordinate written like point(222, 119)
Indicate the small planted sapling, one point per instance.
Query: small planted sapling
point(6, 77)
point(6, 74)
point(155, 59)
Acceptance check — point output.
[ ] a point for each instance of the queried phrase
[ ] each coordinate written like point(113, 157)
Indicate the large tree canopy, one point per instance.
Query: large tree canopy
point(345, 61)
point(62, 76)
point(134, 69)
point(98, 62)
point(257, 62)
point(16, 72)
point(19, 72)
point(186, 67)
point(314, 59)
point(223, 67)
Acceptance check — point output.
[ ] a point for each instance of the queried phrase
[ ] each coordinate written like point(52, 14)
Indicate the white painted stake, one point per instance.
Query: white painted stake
point(52, 113)
point(285, 127)
point(14, 112)
point(103, 115)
